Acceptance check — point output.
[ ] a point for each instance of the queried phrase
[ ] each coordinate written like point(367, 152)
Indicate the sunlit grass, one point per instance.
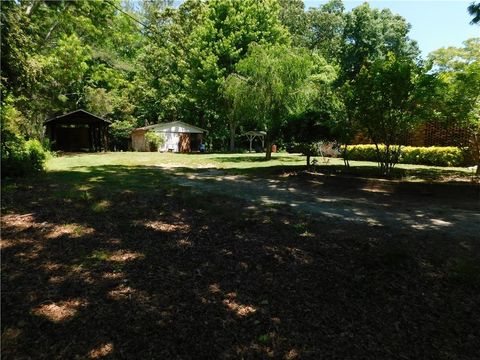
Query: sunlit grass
point(81, 162)
point(242, 163)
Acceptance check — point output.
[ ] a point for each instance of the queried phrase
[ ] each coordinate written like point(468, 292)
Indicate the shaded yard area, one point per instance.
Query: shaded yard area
point(112, 260)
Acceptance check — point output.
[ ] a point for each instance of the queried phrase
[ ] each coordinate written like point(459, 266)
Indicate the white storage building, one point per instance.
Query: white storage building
point(179, 137)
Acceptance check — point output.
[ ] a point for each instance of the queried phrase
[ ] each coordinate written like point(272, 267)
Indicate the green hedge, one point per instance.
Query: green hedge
point(21, 158)
point(433, 155)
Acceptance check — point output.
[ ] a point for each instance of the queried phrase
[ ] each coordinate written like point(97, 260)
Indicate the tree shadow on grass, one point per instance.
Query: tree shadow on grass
point(120, 262)
point(256, 158)
point(431, 174)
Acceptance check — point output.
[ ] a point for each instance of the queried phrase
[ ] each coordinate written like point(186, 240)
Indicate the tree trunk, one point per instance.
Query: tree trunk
point(268, 143)
point(308, 161)
point(345, 156)
point(232, 137)
point(476, 155)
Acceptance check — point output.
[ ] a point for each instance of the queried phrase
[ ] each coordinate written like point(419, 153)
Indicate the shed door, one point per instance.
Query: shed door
point(184, 144)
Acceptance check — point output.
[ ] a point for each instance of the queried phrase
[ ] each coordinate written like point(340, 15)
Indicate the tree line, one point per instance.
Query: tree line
point(301, 75)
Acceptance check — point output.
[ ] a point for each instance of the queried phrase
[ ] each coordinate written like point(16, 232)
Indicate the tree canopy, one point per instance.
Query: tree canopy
point(226, 65)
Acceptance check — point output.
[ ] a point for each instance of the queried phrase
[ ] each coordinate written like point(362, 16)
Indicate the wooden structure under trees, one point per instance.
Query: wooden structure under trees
point(251, 135)
point(78, 130)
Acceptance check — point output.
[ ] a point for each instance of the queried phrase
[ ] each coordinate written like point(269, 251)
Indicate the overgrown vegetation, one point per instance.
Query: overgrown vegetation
point(154, 140)
point(20, 157)
point(233, 66)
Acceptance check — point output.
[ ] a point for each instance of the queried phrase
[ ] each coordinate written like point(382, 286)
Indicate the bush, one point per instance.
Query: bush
point(154, 140)
point(433, 155)
point(37, 155)
point(120, 132)
point(21, 158)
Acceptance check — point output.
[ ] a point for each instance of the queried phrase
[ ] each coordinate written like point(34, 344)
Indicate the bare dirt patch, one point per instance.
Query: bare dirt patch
point(451, 208)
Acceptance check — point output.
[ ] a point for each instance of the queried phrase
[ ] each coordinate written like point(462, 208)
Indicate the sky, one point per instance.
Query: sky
point(435, 23)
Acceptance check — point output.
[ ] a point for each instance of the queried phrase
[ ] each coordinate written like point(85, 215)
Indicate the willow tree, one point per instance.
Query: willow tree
point(219, 40)
point(272, 83)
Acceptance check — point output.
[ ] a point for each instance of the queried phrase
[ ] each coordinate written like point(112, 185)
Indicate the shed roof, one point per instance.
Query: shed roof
point(74, 116)
point(174, 126)
point(255, 133)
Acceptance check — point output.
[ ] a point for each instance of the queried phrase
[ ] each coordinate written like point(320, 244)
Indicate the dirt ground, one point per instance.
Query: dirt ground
point(128, 263)
point(452, 209)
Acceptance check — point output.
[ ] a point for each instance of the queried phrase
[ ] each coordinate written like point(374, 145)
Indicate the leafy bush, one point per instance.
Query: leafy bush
point(433, 155)
point(154, 140)
point(120, 132)
point(37, 155)
point(21, 158)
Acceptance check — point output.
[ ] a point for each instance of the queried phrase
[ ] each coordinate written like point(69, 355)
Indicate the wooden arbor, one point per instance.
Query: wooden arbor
point(78, 130)
point(251, 135)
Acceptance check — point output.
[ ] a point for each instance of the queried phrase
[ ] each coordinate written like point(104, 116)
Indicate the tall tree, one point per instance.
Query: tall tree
point(48, 57)
point(326, 26)
point(217, 45)
point(384, 92)
point(370, 34)
point(275, 82)
point(458, 90)
point(292, 15)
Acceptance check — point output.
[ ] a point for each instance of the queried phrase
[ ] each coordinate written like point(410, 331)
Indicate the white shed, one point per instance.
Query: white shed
point(179, 137)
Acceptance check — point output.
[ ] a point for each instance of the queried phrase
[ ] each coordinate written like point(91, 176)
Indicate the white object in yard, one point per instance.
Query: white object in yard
point(178, 135)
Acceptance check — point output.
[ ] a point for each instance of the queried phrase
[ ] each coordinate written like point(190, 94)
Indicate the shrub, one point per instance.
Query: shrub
point(433, 155)
point(154, 140)
point(21, 158)
point(120, 132)
point(37, 155)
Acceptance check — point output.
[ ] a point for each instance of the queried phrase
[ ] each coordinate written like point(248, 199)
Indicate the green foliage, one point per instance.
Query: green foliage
point(370, 34)
point(154, 140)
point(47, 60)
point(382, 103)
point(22, 158)
point(229, 64)
point(277, 82)
point(184, 68)
point(19, 157)
point(326, 26)
point(98, 101)
point(433, 155)
point(293, 16)
point(120, 132)
point(264, 339)
point(457, 89)
point(308, 149)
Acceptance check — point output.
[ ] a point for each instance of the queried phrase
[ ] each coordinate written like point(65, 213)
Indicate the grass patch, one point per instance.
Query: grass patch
point(246, 164)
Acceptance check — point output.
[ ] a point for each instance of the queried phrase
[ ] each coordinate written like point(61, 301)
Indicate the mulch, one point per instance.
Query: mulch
point(169, 274)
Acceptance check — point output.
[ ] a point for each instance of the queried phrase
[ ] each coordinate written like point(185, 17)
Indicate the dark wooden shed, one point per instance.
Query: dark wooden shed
point(78, 130)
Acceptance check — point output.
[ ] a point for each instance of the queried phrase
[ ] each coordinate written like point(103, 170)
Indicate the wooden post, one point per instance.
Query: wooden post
point(250, 138)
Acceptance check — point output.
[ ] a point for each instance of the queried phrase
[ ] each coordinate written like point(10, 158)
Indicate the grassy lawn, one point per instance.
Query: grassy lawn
point(105, 257)
point(252, 163)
